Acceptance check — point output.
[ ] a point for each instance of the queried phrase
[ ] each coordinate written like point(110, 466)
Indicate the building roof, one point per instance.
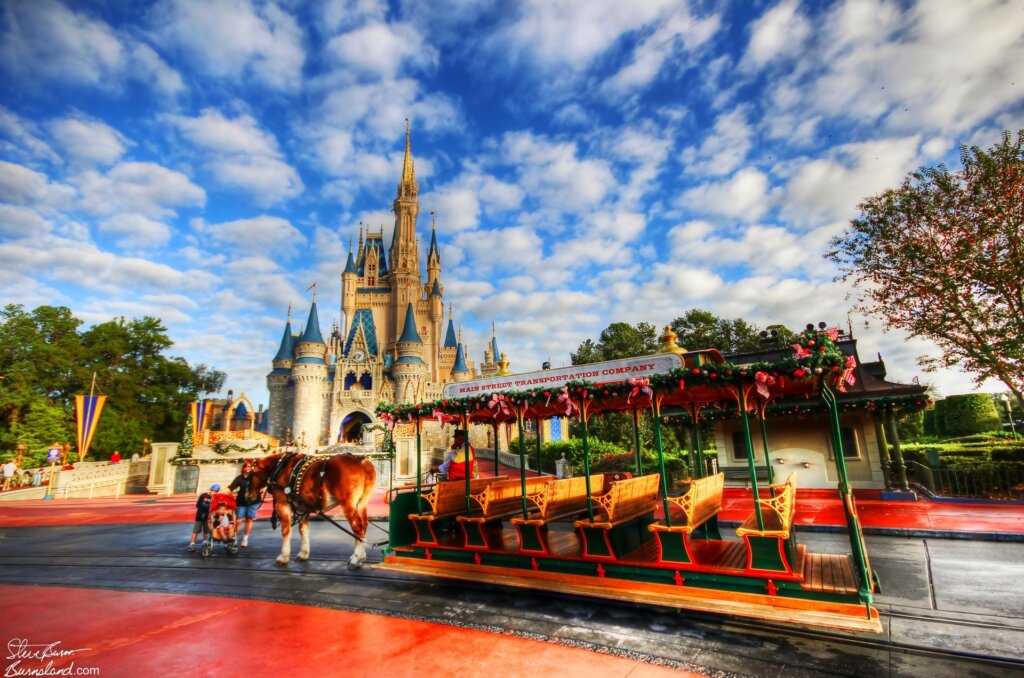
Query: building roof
point(287, 348)
point(409, 333)
point(436, 290)
point(312, 333)
point(376, 242)
point(362, 318)
point(494, 348)
point(449, 339)
point(460, 361)
point(350, 265)
point(409, 359)
point(433, 243)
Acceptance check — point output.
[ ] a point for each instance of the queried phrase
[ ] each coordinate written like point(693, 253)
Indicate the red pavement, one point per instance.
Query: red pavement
point(814, 507)
point(120, 633)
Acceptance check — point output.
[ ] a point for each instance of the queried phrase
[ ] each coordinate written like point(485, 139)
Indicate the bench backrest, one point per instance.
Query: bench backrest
point(701, 501)
point(449, 496)
point(503, 495)
point(568, 494)
point(783, 503)
point(627, 496)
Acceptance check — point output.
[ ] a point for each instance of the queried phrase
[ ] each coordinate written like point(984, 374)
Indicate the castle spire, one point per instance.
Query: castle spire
point(287, 349)
point(409, 333)
point(350, 265)
point(408, 187)
point(433, 238)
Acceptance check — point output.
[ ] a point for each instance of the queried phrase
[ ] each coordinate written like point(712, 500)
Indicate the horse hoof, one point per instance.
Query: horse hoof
point(354, 566)
point(303, 557)
point(280, 563)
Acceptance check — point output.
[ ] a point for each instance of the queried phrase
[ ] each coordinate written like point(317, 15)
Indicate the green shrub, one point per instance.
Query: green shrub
point(928, 422)
point(940, 418)
point(1008, 453)
point(970, 413)
point(910, 426)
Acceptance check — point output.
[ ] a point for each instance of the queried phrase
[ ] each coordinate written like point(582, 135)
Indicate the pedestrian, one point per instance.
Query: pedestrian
point(10, 469)
point(455, 466)
point(247, 508)
point(115, 457)
point(202, 513)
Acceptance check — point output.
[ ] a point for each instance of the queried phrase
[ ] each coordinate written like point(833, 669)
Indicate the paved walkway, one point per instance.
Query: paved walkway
point(128, 634)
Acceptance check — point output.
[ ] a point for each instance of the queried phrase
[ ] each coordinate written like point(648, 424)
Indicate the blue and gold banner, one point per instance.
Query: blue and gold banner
point(87, 414)
point(198, 416)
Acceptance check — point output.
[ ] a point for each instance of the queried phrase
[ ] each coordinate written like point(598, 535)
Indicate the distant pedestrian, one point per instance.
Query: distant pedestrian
point(115, 458)
point(202, 513)
point(10, 469)
point(247, 509)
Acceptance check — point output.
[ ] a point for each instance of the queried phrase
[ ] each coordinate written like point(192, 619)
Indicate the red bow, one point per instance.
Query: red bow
point(832, 333)
point(640, 385)
point(848, 378)
point(563, 397)
point(763, 381)
point(801, 352)
point(498, 402)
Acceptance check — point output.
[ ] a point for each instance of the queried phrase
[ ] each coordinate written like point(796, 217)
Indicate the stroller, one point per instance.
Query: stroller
point(221, 524)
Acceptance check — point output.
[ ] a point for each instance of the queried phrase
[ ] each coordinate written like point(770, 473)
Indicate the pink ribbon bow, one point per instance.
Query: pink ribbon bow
point(849, 378)
point(832, 333)
point(763, 380)
point(498, 402)
point(563, 397)
point(801, 352)
point(640, 385)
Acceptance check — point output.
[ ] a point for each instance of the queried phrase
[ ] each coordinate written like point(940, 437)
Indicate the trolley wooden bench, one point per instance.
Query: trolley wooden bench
point(773, 548)
point(695, 511)
point(500, 499)
point(560, 499)
point(446, 499)
point(626, 509)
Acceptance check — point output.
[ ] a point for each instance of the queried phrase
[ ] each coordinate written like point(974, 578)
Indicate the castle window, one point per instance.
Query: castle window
point(350, 379)
point(366, 380)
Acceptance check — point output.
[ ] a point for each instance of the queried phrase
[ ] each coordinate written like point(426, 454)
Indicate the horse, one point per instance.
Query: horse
point(302, 485)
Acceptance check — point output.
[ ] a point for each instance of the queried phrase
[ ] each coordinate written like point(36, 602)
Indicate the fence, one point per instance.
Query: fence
point(1001, 481)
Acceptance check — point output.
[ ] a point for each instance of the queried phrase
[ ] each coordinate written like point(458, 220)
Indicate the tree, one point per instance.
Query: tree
point(942, 257)
point(698, 329)
point(969, 414)
point(187, 443)
point(618, 340)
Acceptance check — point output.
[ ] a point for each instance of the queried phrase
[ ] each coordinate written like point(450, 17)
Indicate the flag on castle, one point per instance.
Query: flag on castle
point(87, 414)
point(198, 416)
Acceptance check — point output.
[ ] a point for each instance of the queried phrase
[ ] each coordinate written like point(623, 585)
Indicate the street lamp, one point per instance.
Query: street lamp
point(1009, 414)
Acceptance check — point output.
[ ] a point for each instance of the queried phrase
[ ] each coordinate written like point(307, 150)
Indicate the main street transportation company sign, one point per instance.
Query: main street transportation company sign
point(597, 373)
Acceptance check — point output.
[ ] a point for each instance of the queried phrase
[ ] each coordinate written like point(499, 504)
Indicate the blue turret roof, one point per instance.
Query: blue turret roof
point(449, 339)
point(350, 265)
point(287, 349)
point(436, 290)
point(433, 244)
point(409, 332)
point(460, 361)
point(362, 318)
point(241, 412)
point(377, 243)
point(312, 334)
point(494, 347)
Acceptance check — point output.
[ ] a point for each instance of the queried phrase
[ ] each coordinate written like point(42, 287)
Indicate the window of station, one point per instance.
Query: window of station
point(851, 448)
point(739, 447)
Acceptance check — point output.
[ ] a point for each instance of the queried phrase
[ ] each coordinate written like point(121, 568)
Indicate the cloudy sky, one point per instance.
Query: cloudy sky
point(588, 161)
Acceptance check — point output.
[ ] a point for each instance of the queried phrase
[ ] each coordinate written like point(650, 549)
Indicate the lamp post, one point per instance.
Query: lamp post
point(1009, 414)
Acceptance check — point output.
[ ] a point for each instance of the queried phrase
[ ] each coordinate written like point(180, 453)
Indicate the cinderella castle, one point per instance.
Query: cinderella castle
point(393, 344)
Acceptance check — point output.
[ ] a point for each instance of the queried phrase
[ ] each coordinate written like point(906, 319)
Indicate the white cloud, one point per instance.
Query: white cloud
point(743, 196)
point(43, 40)
point(21, 140)
point(17, 221)
point(240, 154)
point(257, 235)
point(780, 32)
point(147, 188)
point(136, 232)
point(257, 39)
point(553, 173)
point(725, 147)
point(88, 141)
point(380, 49)
point(22, 186)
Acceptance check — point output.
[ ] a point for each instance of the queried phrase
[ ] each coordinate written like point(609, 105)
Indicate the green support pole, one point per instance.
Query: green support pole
point(636, 442)
point(656, 418)
point(690, 461)
point(536, 428)
point(419, 468)
point(764, 442)
point(750, 456)
point(522, 460)
point(883, 450)
point(586, 458)
point(702, 469)
point(465, 457)
point(496, 469)
point(894, 437)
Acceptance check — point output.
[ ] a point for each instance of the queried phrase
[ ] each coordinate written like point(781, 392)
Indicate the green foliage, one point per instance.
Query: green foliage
point(187, 442)
point(940, 418)
point(940, 257)
point(618, 340)
point(928, 423)
point(698, 329)
point(970, 413)
point(46, 359)
point(910, 426)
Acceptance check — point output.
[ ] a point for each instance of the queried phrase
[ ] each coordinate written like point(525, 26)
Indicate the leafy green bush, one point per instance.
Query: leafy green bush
point(970, 413)
point(910, 426)
point(1008, 453)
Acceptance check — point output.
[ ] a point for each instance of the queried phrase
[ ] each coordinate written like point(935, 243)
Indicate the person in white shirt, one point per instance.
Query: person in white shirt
point(10, 468)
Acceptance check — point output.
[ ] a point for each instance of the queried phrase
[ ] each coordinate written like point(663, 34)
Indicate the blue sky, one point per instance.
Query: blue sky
point(588, 161)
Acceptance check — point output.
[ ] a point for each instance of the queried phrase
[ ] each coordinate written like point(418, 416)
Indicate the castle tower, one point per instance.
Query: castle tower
point(277, 382)
point(409, 370)
point(349, 283)
point(309, 372)
point(460, 372)
point(404, 252)
point(433, 258)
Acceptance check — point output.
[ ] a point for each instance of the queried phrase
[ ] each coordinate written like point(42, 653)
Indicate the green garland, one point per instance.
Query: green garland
point(186, 447)
point(231, 447)
point(820, 359)
point(387, 445)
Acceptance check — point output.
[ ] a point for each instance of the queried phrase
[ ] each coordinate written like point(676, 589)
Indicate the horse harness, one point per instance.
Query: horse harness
point(291, 488)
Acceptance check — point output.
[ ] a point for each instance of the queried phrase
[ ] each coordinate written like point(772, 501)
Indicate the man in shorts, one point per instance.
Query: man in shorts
point(202, 513)
point(246, 510)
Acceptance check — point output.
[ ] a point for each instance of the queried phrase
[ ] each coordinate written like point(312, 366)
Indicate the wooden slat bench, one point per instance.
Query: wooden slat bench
point(446, 499)
point(694, 511)
point(499, 500)
point(774, 548)
point(560, 499)
point(621, 517)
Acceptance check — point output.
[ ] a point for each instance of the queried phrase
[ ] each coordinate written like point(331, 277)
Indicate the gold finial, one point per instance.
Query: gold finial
point(360, 238)
point(451, 316)
point(289, 313)
point(350, 244)
point(433, 221)
point(668, 342)
point(493, 334)
point(503, 364)
point(312, 287)
point(408, 188)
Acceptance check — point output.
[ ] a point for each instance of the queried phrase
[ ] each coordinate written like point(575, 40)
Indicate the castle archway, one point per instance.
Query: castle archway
point(350, 430)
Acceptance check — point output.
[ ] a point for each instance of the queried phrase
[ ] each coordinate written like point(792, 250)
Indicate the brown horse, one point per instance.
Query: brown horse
point(302, 485)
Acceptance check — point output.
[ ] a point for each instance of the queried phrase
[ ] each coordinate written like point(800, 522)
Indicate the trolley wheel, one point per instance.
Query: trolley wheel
point(207, 550)
point(232, 549)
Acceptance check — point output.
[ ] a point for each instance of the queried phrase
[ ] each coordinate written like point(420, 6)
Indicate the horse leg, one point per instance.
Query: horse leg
point(284, 513)
point(357, 521)
point(304, 533)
